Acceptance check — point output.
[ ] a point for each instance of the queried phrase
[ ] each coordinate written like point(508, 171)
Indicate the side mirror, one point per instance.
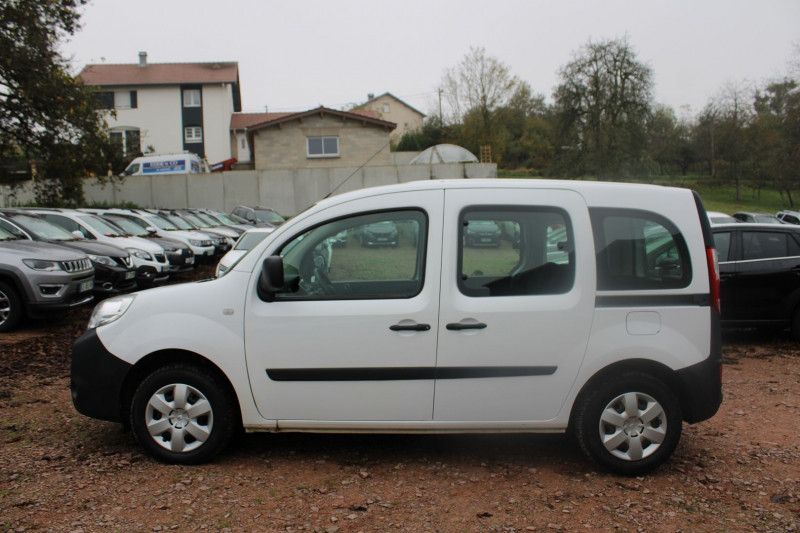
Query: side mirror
point(270, 280)
point(150, 229)
point(78, 234)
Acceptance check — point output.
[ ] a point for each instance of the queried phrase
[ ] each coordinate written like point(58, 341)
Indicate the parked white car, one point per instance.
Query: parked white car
point(608, 329)
point(201, 244)
point(243, 244)
point(148, 257)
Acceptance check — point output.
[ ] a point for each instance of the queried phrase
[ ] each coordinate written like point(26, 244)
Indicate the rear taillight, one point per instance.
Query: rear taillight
point(713, 278)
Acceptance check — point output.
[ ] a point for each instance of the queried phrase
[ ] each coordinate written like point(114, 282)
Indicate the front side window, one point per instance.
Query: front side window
point(191, 98)
point(638, 250)
point(323, 146)
point(193, 134)
point(515, 251)
point(370, 256)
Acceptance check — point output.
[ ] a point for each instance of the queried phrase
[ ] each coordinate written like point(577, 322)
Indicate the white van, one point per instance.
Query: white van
point(597, 313)
point(184, 163)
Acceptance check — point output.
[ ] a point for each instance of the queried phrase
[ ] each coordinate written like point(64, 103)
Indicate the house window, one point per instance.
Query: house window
point(323, 146)
point(385, 108)
point(127, 140)
point(105, 99)
point(193, 134)
point(191, 98)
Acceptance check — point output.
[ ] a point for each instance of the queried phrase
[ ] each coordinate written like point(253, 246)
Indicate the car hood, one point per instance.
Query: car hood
point(94, 248)
point(38, 250)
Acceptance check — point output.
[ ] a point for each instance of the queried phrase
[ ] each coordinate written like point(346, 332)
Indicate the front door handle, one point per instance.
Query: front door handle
point(458, 326)
point(410, 327)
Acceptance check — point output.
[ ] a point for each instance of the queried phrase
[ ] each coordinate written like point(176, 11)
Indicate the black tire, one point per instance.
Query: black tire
point(640, 411)
point(796, 325)
point(194, 408)
point(11, 312)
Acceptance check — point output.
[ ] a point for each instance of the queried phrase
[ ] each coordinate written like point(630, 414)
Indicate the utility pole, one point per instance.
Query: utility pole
point(441, 120)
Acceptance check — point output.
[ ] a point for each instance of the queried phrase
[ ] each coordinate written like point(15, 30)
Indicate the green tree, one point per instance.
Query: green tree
point(45, 114)
point(775, 134)
point(601, 106)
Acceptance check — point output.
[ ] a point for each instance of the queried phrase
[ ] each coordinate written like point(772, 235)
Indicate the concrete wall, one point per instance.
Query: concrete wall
point(286, 191)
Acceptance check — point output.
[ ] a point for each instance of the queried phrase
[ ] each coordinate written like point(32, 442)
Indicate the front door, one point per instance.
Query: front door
point(353, 337)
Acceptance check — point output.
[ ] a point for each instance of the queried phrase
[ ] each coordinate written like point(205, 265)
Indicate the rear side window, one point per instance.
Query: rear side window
point(639, 250)
point(768, 245)
point(515, 251)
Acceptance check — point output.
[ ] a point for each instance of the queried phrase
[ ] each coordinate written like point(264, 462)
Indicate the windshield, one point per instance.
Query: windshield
point(157, 221)
point(179, 222)
point(43, 229)
point(194, 219)
point(225, 219)
point(250, 239)
point(211, 221)
point(6, 236)
point(98, 224)
point(128, 226)
point(270, 217)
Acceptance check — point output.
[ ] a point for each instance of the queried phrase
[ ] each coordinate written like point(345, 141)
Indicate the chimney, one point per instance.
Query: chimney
point(142, 59)
point(370, 96)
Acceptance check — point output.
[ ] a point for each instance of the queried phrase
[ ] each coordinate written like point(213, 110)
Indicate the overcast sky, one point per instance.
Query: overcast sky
point(296, 55)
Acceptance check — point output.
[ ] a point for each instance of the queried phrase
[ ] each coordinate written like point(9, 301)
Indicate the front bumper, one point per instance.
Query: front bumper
point(96, 379)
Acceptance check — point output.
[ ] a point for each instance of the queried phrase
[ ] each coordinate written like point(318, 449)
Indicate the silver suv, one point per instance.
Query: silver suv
point(37, 278)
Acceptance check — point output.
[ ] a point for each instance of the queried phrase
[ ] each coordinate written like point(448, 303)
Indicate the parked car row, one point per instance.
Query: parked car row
point(116, 250)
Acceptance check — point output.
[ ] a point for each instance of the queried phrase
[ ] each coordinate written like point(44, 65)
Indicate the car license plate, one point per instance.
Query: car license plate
point(486, 239)
point(130, 275)
point(86, 286)
point(190, 260)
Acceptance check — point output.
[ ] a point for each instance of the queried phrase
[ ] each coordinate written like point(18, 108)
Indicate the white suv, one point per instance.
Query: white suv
point(597, 313)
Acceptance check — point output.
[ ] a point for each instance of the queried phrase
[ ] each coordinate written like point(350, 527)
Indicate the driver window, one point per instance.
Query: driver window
point(371, 256)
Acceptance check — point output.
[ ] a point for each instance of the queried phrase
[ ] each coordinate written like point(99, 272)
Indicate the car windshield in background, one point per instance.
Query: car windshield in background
point(6, 236)
point(98, 224)
point(196, 220)
point(225, 219)
point(43, 229)
point(270, 217)
point(128, 226)
point(249, 239)
point(179, 222)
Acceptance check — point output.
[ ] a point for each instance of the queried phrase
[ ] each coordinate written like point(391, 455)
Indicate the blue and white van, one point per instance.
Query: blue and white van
point(183, 163)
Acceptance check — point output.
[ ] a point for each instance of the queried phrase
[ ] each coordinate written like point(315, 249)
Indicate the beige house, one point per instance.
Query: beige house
point(319, 138)
point(389, 107)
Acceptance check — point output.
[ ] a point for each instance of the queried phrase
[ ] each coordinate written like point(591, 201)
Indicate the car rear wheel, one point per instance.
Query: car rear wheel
point(183, 414)
point(629, 424)
point(10, 308)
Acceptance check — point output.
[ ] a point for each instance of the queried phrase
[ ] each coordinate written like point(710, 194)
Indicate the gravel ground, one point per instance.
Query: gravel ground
point(60, 471)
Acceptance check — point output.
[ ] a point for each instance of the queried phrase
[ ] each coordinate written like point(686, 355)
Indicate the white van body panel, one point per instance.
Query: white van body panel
point(152, 165)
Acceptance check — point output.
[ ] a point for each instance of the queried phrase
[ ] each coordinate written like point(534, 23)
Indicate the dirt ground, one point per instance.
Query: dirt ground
point(60, 471)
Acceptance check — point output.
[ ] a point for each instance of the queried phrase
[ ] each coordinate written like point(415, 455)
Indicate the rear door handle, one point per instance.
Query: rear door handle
point(410, 327)
point(458, 326)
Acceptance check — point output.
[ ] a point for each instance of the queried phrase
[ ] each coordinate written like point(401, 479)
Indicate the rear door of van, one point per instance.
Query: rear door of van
point(516, 308)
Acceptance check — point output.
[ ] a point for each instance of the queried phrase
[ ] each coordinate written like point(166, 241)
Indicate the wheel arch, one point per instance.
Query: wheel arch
point(652, 368)
point(162, 358)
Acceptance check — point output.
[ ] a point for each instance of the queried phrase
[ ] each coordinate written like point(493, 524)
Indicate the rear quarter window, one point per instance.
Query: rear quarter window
point(639, 250)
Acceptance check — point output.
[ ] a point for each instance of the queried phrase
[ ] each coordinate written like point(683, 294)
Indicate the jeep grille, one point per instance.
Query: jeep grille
point(80, 265)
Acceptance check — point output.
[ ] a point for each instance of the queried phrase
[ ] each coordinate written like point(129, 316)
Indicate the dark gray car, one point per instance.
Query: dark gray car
point(38, 278)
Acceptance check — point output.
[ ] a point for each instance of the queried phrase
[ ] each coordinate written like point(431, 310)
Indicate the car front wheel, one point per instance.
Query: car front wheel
point(629, 424)
point(10, 308)
point(183, 414)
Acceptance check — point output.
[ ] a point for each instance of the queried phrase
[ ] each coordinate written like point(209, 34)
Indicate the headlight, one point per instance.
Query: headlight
point(42, 264)
point(102, 259)
point(110, 310)
point(141, 254)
